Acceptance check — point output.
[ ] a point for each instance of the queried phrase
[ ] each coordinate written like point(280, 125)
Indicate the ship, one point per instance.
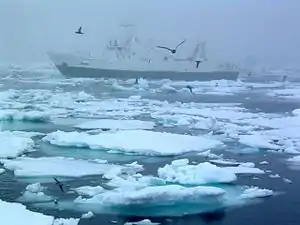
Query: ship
point(125, 61)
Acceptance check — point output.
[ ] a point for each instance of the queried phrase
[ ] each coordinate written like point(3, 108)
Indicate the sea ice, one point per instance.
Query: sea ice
point(255, 192)
point(33, 116)
point(257, 141)
point(87, 215)
point(203, 173)
point(34, 188)
point(116, 124)
point(142, 222)
point(16, 214)
point(62, 221)
point(57, 166)
point(134, 141)
point(2, 171)
point(166, 195)
point(14, 145)
point(34, 193)
point(89, 190)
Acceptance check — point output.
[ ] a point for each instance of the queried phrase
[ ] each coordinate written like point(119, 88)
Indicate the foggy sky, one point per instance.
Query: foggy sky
point(267, 30)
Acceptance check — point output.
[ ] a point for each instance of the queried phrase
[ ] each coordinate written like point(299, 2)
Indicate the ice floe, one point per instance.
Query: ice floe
point(89, 190)
point(14, 145)
point(32, 116)
point(255, 192)
point(58, 166)
point(2, 171)
point(16, 214)
point(116, 124)
point(257, 141)
point(169, 194)
point(203, 173)
point(87, 215)
point(62, 221)
point(180, 171)
point(34, 193)
point(134, 141)
point(142, 222)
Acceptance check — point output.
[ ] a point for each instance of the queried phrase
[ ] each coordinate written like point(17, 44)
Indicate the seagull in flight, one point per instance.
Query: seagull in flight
point(59, 184)
point(79, 31)
point(173, 51)
point(190, 88)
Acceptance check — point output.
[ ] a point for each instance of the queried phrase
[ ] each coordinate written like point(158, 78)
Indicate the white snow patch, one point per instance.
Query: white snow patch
point(14, 145)
point(34, 188)
point(56, 166)
point(209, 154)
point(274, 176)
point(116, 124)
point(69, 221)
point(87, 215)
point(134, 141)
point(33, 116)
point(16, 214)
point(296, 112)
point(89, 190)
point(169, 194)
point(286, 180)
point(244, 170)
point(142, 222)
point(255, 192)
point(264, 163)
point(257, 141)
point(203, 173)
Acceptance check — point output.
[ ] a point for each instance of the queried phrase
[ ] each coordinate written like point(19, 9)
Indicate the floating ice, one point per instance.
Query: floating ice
point(255, 192)
point(70, 221)
point(257, 141)
point(241, 169)
point(34, 193)
point(14, 145)
point(135, 182)
point(134, 141)
point(34, 197)
point(34, 188)
point(203, 173)
point(116, 124)
point(33, 116)
point(8, 210)
point(162, 195)
point(142, 222)
point(89, 190)
point(263, 163)
point(287, 180)
point(209, 154)
point(274, 176)
point(87, 215)
point(294, 160)
point(57, 166)
point(2, 171)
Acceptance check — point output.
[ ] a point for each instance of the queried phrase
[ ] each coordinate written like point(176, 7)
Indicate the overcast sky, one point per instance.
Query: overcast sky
point(267, 30)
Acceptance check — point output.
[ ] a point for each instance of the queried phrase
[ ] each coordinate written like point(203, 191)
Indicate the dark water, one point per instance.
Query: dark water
point(282, 209)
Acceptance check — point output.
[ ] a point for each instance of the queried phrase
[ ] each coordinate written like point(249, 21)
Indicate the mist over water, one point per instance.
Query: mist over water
point(234, 30)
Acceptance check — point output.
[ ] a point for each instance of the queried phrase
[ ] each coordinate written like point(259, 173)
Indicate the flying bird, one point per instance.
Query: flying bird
point(173, 51)
point(190, 88)
point(59, 184)
point(79, 31)
point(284, 78)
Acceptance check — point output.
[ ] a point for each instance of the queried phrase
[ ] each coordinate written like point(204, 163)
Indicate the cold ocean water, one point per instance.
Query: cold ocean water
point(239, 143)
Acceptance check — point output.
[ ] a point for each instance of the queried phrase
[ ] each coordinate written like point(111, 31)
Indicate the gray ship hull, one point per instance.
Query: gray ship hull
point(78, 71)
